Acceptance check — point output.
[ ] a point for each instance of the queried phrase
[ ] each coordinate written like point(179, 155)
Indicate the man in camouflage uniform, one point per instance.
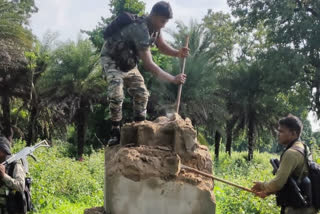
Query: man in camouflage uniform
point(119, 57)
point(292, 163)
point(8, 183)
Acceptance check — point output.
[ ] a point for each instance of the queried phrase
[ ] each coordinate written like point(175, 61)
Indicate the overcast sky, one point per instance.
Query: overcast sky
point(67, 17)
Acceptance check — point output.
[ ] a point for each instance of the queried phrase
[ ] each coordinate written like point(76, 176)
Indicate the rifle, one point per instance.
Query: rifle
point(275, 164)
point(22, 155)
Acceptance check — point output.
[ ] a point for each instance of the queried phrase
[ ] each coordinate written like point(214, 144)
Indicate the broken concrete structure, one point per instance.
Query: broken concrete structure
point(143, 174)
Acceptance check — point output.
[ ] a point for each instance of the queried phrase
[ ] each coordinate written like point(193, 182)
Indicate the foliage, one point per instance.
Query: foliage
point(13, 16)
point(238, 170)
point(201, 99)
point(73, 83)
point(116, 7)
point(64, 185)
point(289, 24)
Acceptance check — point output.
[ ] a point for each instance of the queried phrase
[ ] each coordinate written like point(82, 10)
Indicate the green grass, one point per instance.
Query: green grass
point(64, 185)
point(236, 169)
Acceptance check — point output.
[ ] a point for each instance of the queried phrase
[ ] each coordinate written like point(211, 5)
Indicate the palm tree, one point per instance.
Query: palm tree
point(72, 83)
point(201, 98)
point(14, 74)
point(12, 20)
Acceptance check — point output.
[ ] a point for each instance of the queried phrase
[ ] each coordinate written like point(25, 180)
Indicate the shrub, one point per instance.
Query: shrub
point(62, 184)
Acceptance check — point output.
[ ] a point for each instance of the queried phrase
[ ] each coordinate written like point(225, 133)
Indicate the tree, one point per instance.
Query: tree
point(15, 38)
point(72, 84)
point(253, 87)
point(40, 117)
point(293, 25)
point(201, 98)
point(116, 7)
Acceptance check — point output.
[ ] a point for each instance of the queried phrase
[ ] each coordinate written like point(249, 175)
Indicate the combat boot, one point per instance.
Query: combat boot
point(138, 119)
point(115, 137)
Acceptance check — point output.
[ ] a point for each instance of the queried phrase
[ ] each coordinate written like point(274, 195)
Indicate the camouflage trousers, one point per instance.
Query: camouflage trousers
point(291, 210)
point(132, 81)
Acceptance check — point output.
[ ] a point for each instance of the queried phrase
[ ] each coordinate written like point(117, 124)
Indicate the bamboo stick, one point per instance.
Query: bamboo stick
point(182, 72)
point(216, 178)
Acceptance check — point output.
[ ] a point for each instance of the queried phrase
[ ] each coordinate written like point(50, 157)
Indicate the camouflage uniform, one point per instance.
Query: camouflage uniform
point(140, 38)
point(16, 183)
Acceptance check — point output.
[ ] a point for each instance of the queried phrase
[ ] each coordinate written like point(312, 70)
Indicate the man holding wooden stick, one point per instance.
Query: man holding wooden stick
point(127, 40)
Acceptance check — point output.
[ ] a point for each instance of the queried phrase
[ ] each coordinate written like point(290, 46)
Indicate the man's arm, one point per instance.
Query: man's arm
point(146, 57)
point(288, 163)
point(16, 182)
point(166, 49)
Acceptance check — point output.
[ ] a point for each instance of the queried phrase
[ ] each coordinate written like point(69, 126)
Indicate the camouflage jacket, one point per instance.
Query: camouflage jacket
point(16, 182)
point(124, 45)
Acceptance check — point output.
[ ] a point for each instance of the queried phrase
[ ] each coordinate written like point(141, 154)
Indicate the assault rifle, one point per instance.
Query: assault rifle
point(22, 155)
point(275, 164)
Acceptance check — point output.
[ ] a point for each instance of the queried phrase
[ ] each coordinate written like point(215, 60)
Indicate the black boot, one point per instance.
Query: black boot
point(139, 118)
point(115, 137)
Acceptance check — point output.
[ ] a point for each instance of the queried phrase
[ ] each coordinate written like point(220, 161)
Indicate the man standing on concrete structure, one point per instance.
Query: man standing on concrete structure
point(120, 54)
point(292, 164)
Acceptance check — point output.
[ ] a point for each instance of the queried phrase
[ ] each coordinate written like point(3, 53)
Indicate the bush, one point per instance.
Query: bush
point(62, 184)
point(237, 170)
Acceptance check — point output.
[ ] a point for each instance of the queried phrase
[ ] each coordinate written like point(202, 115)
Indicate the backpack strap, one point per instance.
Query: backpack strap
point(300, 150)
point(10, 168)
point(288, 147)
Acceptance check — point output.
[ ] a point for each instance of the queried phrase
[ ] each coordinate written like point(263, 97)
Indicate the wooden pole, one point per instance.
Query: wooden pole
point(182, 72)
point(215, 178)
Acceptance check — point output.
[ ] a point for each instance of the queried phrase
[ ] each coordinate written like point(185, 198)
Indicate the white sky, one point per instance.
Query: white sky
point(67, 17)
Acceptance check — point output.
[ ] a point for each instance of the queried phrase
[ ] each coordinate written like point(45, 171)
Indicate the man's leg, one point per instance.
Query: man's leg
point(137, 89)
point(115, 95)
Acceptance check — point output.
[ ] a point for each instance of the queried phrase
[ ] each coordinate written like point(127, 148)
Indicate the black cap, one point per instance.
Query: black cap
point(162, 8)
point(5, 145)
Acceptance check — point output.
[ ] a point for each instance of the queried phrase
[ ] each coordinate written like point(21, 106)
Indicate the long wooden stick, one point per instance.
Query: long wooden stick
point(215, 178)
point(182, 72)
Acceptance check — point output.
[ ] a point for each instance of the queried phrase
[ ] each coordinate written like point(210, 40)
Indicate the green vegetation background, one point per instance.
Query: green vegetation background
point(64, 185)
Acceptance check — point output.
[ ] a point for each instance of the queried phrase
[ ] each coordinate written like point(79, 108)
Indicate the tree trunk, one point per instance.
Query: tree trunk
point(5, 104)
point(229, 136)
point(217, 139)
point(81, 126)
point(251, 139)
point(32, 135)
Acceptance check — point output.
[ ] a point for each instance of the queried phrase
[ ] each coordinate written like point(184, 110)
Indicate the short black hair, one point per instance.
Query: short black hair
point(162, 8)
point(293, 123)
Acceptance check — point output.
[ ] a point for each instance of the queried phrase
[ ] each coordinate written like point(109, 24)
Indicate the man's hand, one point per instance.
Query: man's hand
point(258, 190)
point(257, 187)
point(183, 52)
point(180, 79)
point(261, 194)
point(2, 170)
